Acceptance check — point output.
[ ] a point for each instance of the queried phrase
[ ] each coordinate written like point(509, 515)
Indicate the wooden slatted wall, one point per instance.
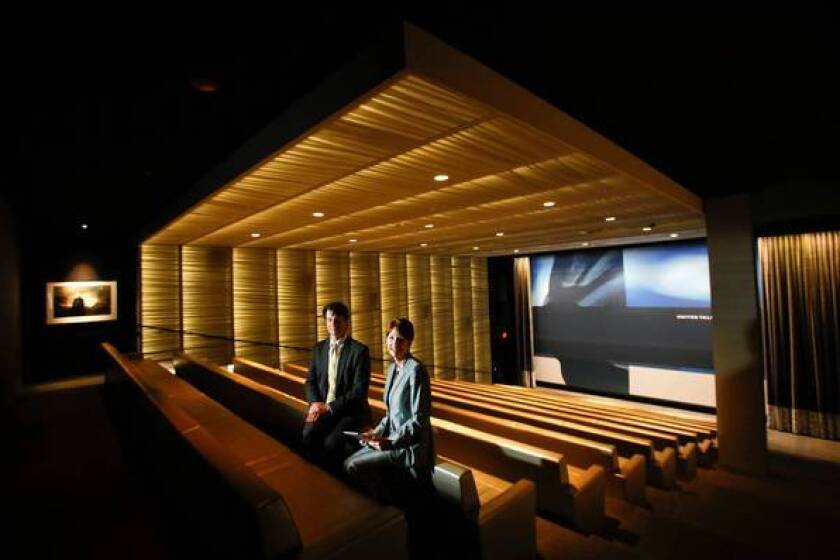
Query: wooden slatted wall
point(420, 306)
point(255, 305)
point(441, 278)
point(207, 290)
point(365, 311)
point(296, 308)
point(160, 300)
point(332, 280)
point(462, 317)
point(393, 281)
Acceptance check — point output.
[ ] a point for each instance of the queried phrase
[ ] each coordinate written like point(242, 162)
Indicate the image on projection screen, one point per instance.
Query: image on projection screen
point(625, 321)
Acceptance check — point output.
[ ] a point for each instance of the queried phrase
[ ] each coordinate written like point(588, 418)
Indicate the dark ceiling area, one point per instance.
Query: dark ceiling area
point(109, 132)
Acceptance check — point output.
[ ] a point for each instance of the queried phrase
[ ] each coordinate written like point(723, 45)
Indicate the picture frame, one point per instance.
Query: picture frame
point(81, 302)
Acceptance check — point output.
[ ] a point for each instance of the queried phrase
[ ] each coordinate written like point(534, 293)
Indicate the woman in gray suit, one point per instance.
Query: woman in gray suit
point(397, 459)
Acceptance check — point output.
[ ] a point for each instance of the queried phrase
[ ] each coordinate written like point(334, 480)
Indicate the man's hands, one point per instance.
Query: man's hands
point(316, 410)
point(375, 441)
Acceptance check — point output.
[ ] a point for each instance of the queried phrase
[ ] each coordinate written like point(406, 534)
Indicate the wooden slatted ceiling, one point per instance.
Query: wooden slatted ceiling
point(405, 115)
point(398, 178)
point(370, 171)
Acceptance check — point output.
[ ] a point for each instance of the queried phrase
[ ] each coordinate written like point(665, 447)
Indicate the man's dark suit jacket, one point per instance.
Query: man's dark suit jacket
point(352, 379)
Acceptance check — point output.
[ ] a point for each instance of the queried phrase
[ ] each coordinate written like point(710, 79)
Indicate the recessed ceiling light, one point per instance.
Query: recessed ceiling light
point(500, 234)
point(441, 178)
point(424, 244)
point(429, 226)
point(675, 235)
point(516, 250)
point(84, 226)
point(609, 219)
point(255, 235)
point(475, 248)
point(317, 214)
point(585, 244)
point(353, 240)
point(647, 228)
point(549, 203)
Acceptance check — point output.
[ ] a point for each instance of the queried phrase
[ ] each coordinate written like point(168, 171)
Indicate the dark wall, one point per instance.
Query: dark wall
point(797, 206)
point(502, 320)
point(53, 352)
point(10, 349)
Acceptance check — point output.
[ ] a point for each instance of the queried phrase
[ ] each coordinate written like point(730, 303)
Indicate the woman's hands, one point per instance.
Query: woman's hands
point(374, 440)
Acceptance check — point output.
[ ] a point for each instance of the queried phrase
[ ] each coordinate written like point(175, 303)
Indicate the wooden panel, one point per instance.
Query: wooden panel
point(393, 282)
point(420, 306)
point(481, 321)
point(296, 309)
point(365, 311)
point(207, 302)
point(255, 305)
point(462, 317)
point(332, 282)
point(441, 277)
point(160, 300)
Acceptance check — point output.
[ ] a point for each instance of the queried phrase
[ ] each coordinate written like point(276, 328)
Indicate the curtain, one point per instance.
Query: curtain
point(524, 341)
point(800, 282)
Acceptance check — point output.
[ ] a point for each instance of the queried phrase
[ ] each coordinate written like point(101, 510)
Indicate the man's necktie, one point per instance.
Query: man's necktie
point(332, 372)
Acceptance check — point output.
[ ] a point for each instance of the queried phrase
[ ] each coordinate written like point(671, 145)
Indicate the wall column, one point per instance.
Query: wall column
point(736, 335)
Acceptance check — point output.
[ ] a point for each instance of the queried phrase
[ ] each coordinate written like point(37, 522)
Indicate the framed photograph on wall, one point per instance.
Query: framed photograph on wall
point(81, 302)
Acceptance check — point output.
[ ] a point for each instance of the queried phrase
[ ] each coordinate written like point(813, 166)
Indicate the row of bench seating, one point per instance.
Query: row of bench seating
point(484, 512)
point(496, 509)
point(543, 419)
point(690, 442)
point(687, 430)
point(512, 432)
point(565, 491)
point(627, 474)
point(257, 492)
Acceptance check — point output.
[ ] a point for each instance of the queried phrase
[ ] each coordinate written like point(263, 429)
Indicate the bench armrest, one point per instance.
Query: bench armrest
point(507, 524)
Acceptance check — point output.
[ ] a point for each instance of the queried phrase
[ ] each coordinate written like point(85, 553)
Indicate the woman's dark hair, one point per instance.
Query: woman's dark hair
point(404, 328)
point(338, 308)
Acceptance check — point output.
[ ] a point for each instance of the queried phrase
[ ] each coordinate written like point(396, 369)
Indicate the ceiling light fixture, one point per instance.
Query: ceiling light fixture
point(429, 226)
point(674, 235)
point(500, 234)
point(647, 228)
point(84, 226)
point(609, 219)
point(424, 244)
point(441, 178)
point(516, 250)
point(585, 243)
point(549, 203)
point(475, 248)
point(317, 214)
point(255, 235)
point(353, 240)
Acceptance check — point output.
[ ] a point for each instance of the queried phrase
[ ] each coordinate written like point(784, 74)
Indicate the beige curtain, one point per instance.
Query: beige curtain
point(524, 341)
point(800, 281)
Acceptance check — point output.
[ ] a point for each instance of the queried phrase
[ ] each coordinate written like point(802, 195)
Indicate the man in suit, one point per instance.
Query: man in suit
point(337, 390)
